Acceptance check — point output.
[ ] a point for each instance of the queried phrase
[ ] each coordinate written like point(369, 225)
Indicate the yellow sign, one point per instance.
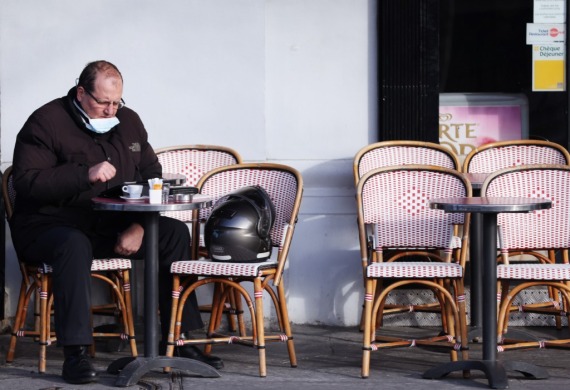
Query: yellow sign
point(548, 67)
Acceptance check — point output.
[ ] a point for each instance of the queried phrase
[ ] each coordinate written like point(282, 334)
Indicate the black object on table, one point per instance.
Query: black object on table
point(174, 179)
point(488, 208)
point(131, 369)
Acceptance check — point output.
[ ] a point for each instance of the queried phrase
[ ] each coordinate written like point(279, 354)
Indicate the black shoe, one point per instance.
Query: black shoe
point(192, 352)
point(77, 368)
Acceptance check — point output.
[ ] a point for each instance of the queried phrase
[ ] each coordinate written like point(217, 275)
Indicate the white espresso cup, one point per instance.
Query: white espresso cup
point(133, 190)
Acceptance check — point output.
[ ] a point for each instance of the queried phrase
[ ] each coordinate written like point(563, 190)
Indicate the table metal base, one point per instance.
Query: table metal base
point(495, 371)
point(131, 369)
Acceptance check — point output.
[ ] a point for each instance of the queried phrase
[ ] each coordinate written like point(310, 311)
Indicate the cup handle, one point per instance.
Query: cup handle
point(126, 189)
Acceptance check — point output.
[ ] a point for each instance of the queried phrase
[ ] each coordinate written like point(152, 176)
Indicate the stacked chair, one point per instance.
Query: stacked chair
point(535, 233)
point(394, 215)
point(495, 156)
point(400, 153)
point(35, 286)
point(284, 186)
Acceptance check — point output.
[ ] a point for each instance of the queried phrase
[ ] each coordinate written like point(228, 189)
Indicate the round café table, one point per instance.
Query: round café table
point(488, 208)
point(131, 369)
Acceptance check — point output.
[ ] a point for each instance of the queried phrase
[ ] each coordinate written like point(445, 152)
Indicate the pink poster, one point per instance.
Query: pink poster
point(463, 128)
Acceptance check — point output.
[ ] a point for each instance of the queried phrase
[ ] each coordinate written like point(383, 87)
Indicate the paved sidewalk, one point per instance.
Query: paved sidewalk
point(328, 358)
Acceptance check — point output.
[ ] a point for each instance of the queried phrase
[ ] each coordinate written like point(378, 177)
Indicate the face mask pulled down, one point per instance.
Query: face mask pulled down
point(98, 125)
point(102, 125)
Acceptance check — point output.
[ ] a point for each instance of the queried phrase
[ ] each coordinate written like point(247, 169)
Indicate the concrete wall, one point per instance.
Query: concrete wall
point(288, 81)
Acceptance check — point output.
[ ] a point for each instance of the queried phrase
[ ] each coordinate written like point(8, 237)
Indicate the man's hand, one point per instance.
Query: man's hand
point(102, 172)
point(130, 240)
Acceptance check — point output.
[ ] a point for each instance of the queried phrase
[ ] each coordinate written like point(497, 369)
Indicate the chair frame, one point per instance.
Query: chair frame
point(537, 152)
point(36, 281)
point(556, 287)
point(429, 154)
point(265, 276)
point(448, 290)
point(231, 157)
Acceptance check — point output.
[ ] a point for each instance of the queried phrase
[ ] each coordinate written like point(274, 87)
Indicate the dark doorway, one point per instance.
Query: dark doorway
point(483, 49)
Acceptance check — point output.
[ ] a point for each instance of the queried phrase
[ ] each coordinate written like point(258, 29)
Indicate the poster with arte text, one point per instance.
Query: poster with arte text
point(464, 128)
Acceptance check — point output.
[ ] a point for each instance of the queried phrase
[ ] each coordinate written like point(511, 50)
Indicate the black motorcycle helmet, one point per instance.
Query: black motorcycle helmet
point(239, 225)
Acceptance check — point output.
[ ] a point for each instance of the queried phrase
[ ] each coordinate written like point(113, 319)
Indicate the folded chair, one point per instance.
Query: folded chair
point(35, 285)
point(193, 161)
point(395, 200)
point(543, 230)
point(284, 186)
point(397, 153)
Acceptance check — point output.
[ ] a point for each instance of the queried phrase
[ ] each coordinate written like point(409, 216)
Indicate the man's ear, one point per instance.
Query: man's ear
point(80, 93)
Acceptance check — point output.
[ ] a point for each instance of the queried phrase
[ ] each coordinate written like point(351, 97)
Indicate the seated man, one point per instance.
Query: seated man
point(69, 151)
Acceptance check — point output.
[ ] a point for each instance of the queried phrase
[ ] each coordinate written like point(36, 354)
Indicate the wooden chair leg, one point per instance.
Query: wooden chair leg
point(285, 324)
point(45, 318)
point(20, 320)
point(367, 334)
point(259, 325)
point(229, 312)
point(129, 312)
point(175, 316)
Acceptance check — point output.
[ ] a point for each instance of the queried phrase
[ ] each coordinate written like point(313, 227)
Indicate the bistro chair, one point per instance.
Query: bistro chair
point(395, 201)
point(36, 284)
point(543, 230)
point(504, 154)
point(284, 186)
point(388, 153)
point(494, 156)
point(193, 161)
point(397, 153)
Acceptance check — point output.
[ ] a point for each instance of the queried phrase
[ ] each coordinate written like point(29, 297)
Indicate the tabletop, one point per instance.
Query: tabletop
point(489, 204)
point(112, 204)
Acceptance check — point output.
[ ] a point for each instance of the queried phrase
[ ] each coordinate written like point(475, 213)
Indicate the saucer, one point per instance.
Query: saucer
point(127, 199)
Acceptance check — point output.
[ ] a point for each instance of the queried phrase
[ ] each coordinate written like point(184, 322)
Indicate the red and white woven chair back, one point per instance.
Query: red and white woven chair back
point(283, 184)
point(541, 229)
point(388, 154)
point(504, 155)
point(193, 161)
point(396, 200)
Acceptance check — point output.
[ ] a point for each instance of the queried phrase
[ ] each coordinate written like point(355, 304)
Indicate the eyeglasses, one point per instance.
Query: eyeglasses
point(117, 105)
